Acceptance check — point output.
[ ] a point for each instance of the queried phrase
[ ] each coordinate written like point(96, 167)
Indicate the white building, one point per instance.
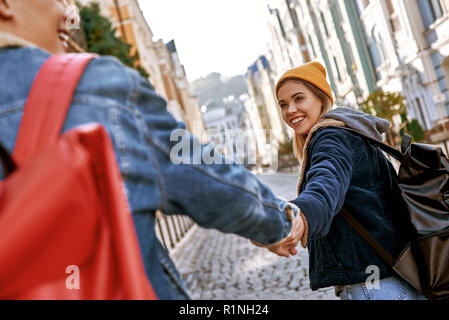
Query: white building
point(410, 50)
point(230, 130)
point(367, 45)
point(325, 34)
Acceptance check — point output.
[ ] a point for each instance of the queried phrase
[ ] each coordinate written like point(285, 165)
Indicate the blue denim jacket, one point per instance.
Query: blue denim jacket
point(226, 197)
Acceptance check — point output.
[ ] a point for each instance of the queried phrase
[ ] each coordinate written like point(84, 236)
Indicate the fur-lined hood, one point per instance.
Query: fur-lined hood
point(366, 124)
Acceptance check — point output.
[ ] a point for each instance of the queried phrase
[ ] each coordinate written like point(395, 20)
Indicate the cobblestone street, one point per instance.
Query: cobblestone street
point(218, 266)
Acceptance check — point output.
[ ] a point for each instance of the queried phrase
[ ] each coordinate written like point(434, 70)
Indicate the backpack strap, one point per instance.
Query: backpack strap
point(7, 162)
point(381, 251)
point(48, 103)
point(388, 149)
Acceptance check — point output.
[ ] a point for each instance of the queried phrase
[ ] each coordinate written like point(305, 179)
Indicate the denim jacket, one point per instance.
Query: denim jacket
point(226, 197)
point(340, 168)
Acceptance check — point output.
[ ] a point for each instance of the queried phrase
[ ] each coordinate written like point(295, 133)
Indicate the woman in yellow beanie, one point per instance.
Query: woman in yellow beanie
point(339, 168)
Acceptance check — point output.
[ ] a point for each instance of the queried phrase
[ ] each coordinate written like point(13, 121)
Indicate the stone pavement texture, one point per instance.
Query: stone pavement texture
point(218, 266)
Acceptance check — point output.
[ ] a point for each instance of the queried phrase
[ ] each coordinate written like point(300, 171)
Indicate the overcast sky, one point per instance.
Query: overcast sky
point(224, 36)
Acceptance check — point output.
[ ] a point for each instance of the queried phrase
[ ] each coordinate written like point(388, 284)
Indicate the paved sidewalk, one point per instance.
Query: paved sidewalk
point(218, 266)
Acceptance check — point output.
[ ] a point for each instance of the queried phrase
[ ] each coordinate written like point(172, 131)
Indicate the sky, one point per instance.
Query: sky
point(224, 36)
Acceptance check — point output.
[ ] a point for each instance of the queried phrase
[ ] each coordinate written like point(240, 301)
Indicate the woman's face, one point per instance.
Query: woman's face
point(300, 107)
point(42, 22)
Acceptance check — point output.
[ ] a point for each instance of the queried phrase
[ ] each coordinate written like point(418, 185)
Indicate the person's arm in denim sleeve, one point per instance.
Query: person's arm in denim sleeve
point(328, 179)
point(226, 197)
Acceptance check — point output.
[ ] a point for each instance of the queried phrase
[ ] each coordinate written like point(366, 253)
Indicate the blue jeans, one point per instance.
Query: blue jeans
point(391, 288)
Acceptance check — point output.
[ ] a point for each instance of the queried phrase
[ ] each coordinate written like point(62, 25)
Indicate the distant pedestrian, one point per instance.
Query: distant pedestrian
point(340, 168)
point(226, 197)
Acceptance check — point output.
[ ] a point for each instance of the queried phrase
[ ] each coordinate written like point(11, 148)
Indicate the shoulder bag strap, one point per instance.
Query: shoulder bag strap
point(7, 162)
point(381, 251)
point(388, 149)
point(48, 102)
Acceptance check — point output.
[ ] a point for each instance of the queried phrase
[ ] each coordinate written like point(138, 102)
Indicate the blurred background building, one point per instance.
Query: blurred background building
point(159, 59)
point(367, 47)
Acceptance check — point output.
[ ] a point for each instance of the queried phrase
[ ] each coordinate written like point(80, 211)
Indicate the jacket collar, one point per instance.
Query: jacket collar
point(320, 124)
point(10, 40)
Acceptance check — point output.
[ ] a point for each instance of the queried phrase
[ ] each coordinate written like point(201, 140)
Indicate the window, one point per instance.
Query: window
point(376, 48)
point(436, 7)
point(432, 10)
point(324, 23)
point(444, 71)
point(338, 70)
point(359, 10)
point(313, 47)
point(421, 113)
point(381, 45)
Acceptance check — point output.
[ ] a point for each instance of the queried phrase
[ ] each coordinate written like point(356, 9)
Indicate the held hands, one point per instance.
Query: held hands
point(287, 246)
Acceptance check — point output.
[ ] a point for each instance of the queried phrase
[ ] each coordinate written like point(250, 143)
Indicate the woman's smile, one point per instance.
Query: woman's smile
point(300, 107)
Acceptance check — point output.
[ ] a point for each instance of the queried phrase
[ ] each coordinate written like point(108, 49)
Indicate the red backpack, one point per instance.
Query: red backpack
point(66, 230)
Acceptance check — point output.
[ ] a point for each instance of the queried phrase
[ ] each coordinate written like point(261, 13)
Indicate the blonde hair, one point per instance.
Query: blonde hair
point(299, 140)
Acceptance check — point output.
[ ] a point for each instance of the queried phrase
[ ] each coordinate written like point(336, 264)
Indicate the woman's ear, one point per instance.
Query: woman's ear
point(6, 11)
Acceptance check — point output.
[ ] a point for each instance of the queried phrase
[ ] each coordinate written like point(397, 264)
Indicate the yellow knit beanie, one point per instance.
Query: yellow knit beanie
point(313, 72)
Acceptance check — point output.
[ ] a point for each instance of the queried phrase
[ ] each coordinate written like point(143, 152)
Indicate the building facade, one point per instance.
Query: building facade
point(368, 45)
point(229, 127)
point(159, 59)
point(410, 52)
point(328, 33)
point(261, 81)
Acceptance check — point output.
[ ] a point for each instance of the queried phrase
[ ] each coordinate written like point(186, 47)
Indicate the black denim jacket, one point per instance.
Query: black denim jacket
point(344, 169)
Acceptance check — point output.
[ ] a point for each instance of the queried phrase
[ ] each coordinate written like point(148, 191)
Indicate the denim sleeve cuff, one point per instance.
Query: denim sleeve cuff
point(306, 230)
point(292, 211)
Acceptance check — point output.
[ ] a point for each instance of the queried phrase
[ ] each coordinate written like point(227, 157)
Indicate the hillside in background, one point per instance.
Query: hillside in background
point(216, 87)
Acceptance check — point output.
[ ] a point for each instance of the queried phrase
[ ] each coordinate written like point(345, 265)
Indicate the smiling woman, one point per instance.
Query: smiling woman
point(41, 22)
point(301, 108)
point(340, 169)
point(304, 95)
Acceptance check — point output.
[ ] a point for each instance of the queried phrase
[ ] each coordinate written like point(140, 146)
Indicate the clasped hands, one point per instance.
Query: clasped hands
point(287, 246)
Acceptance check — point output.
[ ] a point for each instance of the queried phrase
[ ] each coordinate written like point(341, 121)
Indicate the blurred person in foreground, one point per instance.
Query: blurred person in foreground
point(226, 197)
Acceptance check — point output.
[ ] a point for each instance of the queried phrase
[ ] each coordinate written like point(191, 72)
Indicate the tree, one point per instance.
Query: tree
point(101, 37)
point(414, 129)
point(387, 105)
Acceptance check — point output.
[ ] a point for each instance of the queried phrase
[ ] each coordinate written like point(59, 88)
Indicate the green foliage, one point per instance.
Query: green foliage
point(285, 148)
point(415, 130)
point(101, 37)
point(384, 104)
point(387, 105)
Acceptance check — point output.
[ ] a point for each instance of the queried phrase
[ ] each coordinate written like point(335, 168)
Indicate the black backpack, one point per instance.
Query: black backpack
point(423, 181)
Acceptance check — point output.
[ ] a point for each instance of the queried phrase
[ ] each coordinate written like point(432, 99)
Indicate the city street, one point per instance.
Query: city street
point(219, 266)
